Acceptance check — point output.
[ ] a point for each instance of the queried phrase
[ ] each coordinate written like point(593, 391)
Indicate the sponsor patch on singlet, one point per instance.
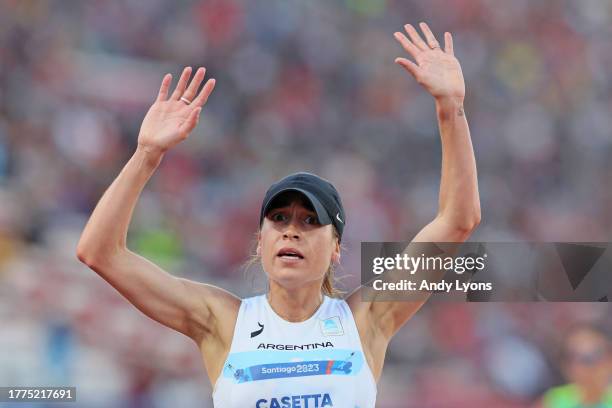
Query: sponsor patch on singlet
point(263, 365)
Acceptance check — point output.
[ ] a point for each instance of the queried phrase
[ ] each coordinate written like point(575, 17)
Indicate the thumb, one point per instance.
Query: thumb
point(191, 121)
point(409, 65)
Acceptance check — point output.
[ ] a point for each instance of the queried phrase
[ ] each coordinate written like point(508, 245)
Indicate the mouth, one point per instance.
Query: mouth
point(290, 254)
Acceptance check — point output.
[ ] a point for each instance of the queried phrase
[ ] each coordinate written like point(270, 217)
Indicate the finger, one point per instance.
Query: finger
point(163, 89)
point(448, 43)
point(429, 36)
point(415, 37)
point(205, 92)
point(409, 65)
point(407, 44)
point(182, 83)
point(195, 84)
point(191, 122)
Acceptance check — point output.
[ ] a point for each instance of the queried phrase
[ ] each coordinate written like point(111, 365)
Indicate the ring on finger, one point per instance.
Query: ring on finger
point(187, 101)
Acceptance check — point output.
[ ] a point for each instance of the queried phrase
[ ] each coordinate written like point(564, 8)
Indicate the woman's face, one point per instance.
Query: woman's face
point(295, 249)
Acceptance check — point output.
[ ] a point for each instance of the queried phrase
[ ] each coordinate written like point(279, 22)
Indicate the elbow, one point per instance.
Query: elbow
point(84, 251)
point(81, 253)
point(85, 257)
point(93, 258)
point(461, 226)
point(473, 221)
point(468, 224)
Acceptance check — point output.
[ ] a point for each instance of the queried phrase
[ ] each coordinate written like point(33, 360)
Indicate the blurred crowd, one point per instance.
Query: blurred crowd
point(300, 86)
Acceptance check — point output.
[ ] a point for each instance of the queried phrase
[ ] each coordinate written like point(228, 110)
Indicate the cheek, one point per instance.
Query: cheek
point(266, 243)
point(266, 248)
point(324, 250)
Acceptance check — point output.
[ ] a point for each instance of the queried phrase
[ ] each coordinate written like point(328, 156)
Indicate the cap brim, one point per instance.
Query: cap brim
point(322, 215)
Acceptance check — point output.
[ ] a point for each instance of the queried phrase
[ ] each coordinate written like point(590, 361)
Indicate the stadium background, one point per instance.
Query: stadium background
point(300, 86)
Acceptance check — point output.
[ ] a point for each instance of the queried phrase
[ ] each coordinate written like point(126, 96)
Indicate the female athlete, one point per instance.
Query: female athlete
point(297, 345)
point(586, 361)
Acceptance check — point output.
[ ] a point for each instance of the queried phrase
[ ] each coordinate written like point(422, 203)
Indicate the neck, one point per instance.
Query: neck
point(295, 305)
point(592, 393)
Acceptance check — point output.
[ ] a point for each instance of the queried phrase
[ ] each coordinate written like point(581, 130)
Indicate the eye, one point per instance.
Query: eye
point(278, 217)
point(311, 219)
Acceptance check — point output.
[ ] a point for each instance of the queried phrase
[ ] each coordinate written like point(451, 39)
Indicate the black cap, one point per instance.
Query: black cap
point(321, 193)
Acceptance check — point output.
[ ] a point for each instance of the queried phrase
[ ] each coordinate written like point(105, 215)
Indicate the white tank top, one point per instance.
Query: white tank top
point(273, 363)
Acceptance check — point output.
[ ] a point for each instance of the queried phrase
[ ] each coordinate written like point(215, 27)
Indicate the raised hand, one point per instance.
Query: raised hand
point(436, 70)
point(171, 120)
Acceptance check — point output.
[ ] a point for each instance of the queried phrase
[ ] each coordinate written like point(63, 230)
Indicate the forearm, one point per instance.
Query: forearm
point(106, 230)
point(459, 202)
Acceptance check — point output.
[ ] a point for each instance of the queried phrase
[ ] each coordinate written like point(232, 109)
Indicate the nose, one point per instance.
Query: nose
point(292, 230)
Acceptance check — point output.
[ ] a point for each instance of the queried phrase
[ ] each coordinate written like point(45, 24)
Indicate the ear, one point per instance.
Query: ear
point(336, 253)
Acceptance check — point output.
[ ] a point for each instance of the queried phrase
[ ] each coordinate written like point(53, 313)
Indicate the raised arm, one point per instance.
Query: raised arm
point(439, 72)
point(177, 303)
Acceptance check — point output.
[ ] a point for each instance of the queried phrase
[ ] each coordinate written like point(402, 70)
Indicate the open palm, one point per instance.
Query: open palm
point(436, 70)
point(171, 120)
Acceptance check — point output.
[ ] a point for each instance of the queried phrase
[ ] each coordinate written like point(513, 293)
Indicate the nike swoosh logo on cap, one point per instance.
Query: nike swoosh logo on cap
point(338, 218)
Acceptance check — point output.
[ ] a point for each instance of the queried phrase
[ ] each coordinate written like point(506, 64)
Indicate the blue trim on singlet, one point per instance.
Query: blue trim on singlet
point(256, 366)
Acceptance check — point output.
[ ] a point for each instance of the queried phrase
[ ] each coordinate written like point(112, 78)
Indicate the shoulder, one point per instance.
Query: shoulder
point(360, 309)
point(363, 317)
point(215, 311)
point(224, 304)
point(373, 341)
